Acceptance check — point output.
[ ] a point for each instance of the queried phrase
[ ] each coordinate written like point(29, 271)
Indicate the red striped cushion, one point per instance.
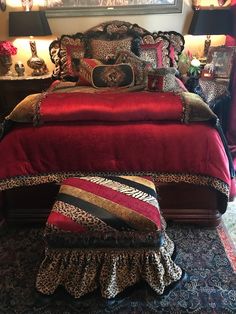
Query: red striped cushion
point(101, 209)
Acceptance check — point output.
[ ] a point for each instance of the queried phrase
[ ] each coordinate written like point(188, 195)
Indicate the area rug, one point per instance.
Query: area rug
point(209, 287)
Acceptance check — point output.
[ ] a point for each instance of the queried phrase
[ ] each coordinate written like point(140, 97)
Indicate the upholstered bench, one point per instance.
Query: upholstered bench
point(106, 233)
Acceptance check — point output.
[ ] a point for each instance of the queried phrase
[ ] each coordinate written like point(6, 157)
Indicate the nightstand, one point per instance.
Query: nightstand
point(15, 88)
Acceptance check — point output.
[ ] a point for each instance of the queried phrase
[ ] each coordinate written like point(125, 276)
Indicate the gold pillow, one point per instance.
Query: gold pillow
point(25, 110)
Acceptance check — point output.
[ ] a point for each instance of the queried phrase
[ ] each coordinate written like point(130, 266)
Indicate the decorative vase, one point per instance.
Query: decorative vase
point(5, 65)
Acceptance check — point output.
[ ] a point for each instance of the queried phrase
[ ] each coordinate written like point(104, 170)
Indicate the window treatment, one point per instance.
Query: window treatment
point(231, 132)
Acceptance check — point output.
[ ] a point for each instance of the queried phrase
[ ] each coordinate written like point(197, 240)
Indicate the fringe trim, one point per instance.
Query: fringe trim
point(81, 271)
point(28, 180)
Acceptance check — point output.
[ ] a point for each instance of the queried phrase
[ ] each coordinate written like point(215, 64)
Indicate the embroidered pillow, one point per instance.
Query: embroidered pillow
point(140, 67)
point(72, 49)
point(105, 50)
point(116, 75)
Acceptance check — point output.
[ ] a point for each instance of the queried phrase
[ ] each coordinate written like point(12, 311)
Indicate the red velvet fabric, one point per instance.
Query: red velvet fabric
point(118, 107)
point(102, 147)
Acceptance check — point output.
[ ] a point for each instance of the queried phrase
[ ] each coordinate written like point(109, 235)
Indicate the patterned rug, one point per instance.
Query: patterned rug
point(210, 286)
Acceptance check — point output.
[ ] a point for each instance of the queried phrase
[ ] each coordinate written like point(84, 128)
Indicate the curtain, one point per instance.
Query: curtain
point(231, 131)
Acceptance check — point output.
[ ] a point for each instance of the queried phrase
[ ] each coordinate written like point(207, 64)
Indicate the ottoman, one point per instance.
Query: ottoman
point(106, 233)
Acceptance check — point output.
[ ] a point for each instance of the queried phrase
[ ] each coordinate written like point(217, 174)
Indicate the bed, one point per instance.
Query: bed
point(115, 107)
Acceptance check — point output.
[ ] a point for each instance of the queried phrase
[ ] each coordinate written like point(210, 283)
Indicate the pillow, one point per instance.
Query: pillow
point(116, 75)
point(24, 112)
point(72, 49)
point(176, 45)
point(105, 50)
point(162, 80)
point(140, 67)
point(155, 49)
point(54, 49)
point(86, 69)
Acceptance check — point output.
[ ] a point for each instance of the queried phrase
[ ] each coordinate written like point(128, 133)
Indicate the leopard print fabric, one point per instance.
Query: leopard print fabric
point(158, 177)
point(78, 270)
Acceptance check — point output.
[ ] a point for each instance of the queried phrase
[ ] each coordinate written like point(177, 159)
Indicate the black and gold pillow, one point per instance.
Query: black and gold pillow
point(117, 75)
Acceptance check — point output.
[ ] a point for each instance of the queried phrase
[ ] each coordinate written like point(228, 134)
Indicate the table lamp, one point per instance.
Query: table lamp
point(211, 22)
point(30, 23)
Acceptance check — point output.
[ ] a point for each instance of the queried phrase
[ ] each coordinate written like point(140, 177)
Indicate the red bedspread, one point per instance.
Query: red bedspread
point(167, 149)
point(127, 133)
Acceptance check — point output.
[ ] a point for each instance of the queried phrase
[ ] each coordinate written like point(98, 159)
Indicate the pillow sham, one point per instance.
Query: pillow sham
point(72, 49)
point(140, 67)
point(105, 50)
point(117, 75)
point(155, 49)
point(176, 45)
point(54, 49)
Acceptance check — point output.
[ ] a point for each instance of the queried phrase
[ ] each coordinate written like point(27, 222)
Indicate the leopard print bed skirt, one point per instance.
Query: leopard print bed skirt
point(81, 271)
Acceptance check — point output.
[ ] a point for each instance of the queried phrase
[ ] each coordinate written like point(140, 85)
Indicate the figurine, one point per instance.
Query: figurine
point(20, 68)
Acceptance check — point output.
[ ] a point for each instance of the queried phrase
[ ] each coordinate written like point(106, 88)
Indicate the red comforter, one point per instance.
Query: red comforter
point(131, 133)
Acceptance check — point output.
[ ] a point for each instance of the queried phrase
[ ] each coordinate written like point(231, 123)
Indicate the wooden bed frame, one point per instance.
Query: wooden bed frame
point(182, 203)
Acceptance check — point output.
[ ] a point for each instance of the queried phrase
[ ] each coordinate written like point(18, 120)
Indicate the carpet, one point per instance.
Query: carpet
point(209, 288)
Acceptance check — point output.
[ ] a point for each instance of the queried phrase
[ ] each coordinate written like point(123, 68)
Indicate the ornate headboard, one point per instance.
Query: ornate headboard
point(104, 42)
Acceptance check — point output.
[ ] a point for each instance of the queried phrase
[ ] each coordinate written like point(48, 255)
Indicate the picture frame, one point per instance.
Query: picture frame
point(221, 60)
point(72, 8)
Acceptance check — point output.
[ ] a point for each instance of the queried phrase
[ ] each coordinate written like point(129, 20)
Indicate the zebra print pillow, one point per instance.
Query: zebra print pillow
point(114, 211)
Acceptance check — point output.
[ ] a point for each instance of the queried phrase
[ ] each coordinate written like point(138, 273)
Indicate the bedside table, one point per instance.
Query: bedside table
point(15, 88)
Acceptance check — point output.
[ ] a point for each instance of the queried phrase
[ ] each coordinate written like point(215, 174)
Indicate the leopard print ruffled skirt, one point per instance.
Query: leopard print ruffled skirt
point(81, 271)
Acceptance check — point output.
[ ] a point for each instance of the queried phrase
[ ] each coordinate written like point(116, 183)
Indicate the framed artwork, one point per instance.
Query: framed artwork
point(65, 8)
point(221, 60)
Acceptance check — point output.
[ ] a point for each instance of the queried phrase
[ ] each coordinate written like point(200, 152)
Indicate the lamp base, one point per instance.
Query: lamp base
point(37, 64)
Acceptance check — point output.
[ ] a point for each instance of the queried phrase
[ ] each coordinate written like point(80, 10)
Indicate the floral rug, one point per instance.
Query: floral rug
point(209, 287)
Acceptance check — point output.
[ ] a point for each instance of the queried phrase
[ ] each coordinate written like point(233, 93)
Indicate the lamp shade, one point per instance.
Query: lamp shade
point(28, 23)
point(212, 22)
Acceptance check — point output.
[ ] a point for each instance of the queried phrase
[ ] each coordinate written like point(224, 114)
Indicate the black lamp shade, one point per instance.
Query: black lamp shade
point(28, 23)
point(212, 22)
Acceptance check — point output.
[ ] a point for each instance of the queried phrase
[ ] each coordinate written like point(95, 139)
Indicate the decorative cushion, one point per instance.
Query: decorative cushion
point(72, 49)
point(101, 209)
point(140, 67)
point(86, 69)
point(113, 75)
point(105, 50)
point(54, 49)
point(176, 45)
point(155, 49)
point(24, 112)
point(162, 80)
